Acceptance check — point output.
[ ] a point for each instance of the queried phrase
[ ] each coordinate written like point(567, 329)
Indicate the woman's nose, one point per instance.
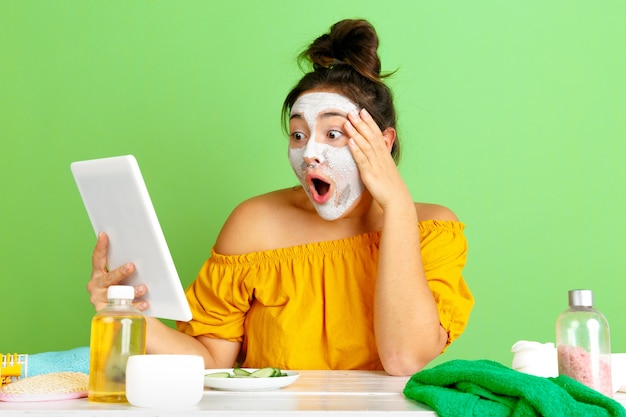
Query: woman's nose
point(312, 152)
point(312, 160)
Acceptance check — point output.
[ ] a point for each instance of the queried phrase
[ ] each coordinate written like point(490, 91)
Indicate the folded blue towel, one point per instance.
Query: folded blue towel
point(73, 360)
point(487, 388)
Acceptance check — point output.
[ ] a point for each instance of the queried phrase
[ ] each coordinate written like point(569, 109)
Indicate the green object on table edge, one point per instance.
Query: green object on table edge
point(486, 388)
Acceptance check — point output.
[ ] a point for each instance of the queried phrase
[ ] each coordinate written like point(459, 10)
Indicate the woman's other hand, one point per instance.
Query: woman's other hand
point(371, 150)
point(102, 278)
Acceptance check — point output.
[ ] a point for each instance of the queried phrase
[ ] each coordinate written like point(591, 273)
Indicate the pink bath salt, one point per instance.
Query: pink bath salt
point(577, 363)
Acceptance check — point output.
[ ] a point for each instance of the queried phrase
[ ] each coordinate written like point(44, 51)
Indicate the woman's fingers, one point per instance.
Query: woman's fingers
point(140, 304)
point(364, 126)
point(102, 278)
point(366, 134)
point(100, 269)
point(99, 256)
point(367, 141)
point(371, 149)
point(99, 283)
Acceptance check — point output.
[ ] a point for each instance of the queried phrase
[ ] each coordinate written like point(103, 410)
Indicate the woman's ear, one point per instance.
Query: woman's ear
point(390, 137)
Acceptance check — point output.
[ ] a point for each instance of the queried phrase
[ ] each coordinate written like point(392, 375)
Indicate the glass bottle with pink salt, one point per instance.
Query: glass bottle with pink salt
point(584, 344)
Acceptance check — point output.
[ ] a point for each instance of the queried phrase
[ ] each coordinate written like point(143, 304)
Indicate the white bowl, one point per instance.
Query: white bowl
point(164, 380)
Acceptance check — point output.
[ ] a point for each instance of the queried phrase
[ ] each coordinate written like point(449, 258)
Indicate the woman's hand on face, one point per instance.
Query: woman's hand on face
point(371, 150)
point(102, 278)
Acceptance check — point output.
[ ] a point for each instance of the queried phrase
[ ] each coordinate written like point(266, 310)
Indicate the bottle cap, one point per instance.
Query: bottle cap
point(124, 292)
point(580, 298)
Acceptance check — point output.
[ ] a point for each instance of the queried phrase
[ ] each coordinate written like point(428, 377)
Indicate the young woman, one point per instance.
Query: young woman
point(344, 271)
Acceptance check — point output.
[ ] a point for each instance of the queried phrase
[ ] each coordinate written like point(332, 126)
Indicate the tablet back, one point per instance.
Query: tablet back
point(118, 203)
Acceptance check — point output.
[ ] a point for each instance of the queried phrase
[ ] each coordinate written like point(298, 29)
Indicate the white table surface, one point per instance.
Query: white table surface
point(315, 393)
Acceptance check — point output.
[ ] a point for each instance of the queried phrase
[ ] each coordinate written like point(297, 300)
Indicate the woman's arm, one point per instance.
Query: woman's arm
point(160, 338)
point(406, 321)
point(408, 329)
point(217, 353)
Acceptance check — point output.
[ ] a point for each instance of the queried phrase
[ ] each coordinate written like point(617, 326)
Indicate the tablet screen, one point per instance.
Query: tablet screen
point(118, 203)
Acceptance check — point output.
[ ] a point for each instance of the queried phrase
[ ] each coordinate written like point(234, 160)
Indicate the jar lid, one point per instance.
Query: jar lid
point(580, 298)
point(124, 292)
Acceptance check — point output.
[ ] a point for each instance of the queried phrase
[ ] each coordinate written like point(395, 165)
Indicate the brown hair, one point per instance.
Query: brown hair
point(346, 60)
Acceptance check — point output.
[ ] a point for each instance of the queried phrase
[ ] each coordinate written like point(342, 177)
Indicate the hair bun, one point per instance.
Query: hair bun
point(353, 42)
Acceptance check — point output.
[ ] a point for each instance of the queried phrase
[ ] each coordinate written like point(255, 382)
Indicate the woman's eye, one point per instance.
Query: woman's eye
point(297, 136)
point(335, 134)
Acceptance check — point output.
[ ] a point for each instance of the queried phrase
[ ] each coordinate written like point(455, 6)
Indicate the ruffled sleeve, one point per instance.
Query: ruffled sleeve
point(444, 251)
point(219, 306)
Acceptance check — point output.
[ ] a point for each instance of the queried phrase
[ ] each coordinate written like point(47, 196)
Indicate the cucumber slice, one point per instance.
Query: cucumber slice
point(240, 372)
point(264, 373)
point(218, 375)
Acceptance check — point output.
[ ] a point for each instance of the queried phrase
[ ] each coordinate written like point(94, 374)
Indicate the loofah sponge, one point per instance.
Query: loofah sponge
point(47, 387)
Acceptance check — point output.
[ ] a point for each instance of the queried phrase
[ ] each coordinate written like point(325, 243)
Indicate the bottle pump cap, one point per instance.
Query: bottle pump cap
point(580, 298)
point(125, 292)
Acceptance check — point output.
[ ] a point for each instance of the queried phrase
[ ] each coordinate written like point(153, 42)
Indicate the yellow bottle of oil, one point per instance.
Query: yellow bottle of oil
point(117, 332)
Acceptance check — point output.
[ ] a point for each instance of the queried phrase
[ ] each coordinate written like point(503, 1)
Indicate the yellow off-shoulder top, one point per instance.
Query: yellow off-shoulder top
point(311, 306)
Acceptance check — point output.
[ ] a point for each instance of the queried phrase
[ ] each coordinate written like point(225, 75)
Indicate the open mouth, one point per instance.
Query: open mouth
point(320, 190)
point(321, 187)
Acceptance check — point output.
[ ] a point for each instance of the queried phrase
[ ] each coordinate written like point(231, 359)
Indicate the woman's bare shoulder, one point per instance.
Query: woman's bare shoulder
point(427, 211)
point(254, 223)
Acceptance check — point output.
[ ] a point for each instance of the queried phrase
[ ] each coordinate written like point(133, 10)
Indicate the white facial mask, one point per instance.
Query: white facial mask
point(333, 165)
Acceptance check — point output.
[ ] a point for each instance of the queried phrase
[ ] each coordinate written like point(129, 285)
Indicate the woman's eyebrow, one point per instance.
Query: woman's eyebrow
point(332, 113)
point(324, 114)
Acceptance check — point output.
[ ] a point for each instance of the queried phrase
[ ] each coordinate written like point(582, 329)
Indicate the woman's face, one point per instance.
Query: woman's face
point(319, 153)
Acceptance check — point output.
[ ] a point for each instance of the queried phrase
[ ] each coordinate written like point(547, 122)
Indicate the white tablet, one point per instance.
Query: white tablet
point(118, 203)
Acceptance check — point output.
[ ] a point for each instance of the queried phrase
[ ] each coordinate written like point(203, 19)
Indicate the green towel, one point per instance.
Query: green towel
point(462, 388)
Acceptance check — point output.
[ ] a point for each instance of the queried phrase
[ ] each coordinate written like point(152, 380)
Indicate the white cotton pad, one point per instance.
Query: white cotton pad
point(47, 387)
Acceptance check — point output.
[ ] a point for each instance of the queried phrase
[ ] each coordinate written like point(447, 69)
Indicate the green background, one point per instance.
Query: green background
point(512, 113)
